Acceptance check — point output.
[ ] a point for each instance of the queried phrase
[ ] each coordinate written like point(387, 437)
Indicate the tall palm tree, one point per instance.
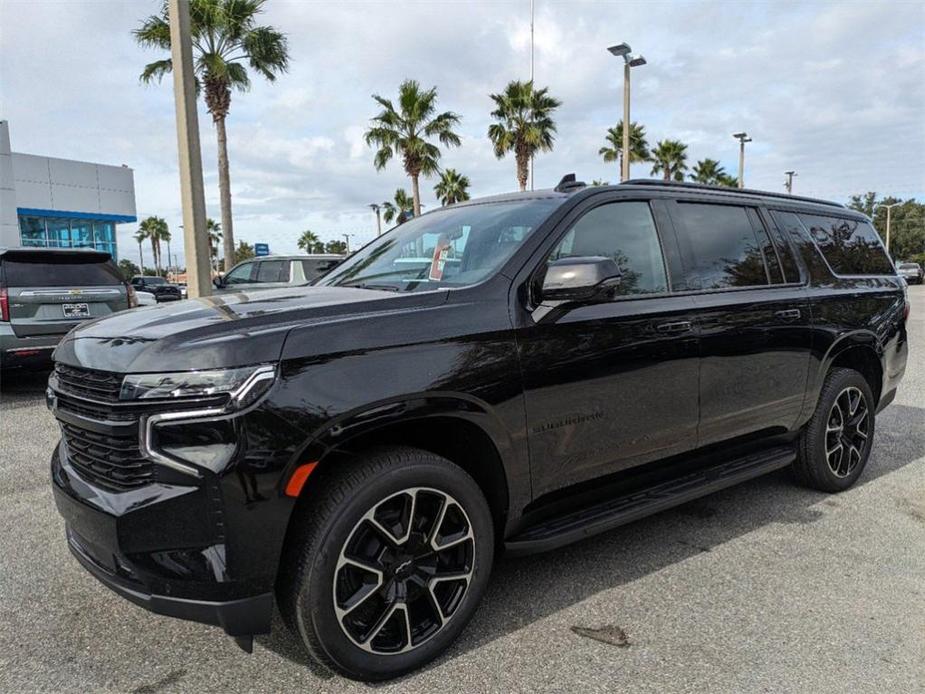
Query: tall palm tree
point(140, 236)
point(452, 187)
point(405, 132)
point(310, 243)
point(613, 150)
point(670, 159)
point(154, 229)
point(402, 205)
point(708, 171)
point(226, 38)
point(524, 124)
point(214, 230)
point(725, 179)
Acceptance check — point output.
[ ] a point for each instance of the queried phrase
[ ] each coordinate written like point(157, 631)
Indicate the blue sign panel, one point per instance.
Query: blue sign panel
point(261, 249)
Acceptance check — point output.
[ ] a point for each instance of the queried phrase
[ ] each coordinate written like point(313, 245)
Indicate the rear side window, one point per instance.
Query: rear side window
point(273, 271)
point(59, 272)
point(313, 269)
point(726, 248)
point(625, 232)
point(850, 246)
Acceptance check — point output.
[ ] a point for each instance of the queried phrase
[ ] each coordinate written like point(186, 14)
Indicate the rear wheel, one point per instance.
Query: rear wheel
point(393, 558)
point(835, 444)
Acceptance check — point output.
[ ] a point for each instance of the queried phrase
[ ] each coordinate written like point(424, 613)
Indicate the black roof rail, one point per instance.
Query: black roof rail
point(568, 183)
point(690, 185)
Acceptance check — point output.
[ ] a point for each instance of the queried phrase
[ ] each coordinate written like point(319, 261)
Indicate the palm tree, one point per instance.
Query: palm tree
point(525, 125)
point(400, 208)
point(310, 243)
point(613, 150)
point(405, 133)
point(140, 236)
point(225, 37)
point(708, 171)
point(725, 179)
point(452, 187)
point(670, 159)
point(214, 230)
point(154, 229)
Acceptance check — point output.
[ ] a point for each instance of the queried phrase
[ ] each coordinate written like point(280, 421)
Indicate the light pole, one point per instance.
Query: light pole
point(789, 184)
point(623, 50)
point(347, 240)
point(375, 208)
point(742, 138)
point(889, 208)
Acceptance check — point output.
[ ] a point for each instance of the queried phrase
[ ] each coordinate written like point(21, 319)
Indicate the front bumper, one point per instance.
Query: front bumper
point(159, 547)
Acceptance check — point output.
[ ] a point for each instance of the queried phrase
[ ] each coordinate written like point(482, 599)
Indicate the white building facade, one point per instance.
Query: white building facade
point(61, 203)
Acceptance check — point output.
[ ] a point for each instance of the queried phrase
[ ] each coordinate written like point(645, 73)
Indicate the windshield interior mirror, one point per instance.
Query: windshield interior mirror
point(591, 278)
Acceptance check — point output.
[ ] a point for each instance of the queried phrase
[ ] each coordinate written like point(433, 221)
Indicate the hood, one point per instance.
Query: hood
point(221, 331)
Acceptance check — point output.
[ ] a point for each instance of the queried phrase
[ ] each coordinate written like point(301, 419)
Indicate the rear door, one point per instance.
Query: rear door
point(754, 317)
point(49, 292)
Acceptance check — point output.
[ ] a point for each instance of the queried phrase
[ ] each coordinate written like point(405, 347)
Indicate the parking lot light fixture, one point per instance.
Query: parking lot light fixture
point(742, 138)
point(623, 50)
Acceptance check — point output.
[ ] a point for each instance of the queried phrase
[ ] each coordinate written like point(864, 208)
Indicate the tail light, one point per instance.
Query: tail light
point(4, 305)
point(132, 296)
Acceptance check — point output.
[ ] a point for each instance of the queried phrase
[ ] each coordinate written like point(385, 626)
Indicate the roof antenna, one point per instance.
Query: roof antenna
point(568, 183)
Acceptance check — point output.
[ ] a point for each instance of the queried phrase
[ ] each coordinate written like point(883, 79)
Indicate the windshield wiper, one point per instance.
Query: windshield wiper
point(377, 287)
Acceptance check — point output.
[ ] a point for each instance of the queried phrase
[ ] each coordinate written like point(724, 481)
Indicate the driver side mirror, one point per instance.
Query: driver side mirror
point(583, 279)
point(218, 282)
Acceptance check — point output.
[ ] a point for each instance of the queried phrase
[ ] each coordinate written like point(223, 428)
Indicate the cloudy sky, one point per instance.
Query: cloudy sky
point(835, 91)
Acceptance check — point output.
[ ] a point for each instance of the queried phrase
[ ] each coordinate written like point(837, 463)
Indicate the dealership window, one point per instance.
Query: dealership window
point(32, 231)
point(59, 232)
point(81, 233)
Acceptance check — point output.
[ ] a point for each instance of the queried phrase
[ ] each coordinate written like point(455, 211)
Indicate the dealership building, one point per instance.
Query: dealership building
point(61, 203)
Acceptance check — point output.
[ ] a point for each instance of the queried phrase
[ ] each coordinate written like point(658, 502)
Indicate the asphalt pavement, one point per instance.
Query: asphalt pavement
point(766, 587)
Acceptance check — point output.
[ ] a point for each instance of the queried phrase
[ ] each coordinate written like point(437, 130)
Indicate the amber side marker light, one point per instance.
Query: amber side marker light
point(299, 477)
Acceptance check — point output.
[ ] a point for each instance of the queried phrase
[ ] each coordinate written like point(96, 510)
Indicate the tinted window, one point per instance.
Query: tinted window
point(240, 274)
point(726, 250)
point(313, 269)
point(153, 281)
point(59, 272)
point(851, 247)
point(625, 232)
point(270, 270)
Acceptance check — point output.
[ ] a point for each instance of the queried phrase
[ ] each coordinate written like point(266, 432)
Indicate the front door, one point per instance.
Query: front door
point(610, 385)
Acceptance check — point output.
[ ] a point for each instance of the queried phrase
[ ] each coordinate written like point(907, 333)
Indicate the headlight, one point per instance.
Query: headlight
point(244, 385)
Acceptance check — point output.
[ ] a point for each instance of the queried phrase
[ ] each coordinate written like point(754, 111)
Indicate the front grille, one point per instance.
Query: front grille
point(103, 386)
point(112, 461)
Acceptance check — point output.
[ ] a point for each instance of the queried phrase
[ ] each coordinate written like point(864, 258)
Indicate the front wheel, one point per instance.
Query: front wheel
point(393, 559)
point(835, 444)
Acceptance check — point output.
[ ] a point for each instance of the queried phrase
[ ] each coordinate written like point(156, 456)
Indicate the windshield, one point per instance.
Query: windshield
point(456, 247)
point(908, 266)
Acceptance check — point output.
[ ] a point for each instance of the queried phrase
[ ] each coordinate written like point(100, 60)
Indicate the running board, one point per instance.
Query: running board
point(577, 525)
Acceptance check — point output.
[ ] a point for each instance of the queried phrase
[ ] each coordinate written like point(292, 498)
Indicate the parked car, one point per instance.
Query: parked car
point(911, 272)
point(273, 272)
point(145, 298)
point(158, 286)
point(45, 292)
point(184, 290)
point(567, 362)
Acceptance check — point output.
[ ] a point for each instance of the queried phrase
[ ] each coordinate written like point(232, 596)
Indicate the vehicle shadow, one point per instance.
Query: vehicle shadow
point(21, 387)
point(524, 590)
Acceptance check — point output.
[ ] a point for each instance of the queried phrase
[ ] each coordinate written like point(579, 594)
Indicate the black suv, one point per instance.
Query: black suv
point(564, 362)
point(158, 286)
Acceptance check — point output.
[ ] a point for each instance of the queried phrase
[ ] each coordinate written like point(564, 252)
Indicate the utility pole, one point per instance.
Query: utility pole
point(742, 138)
point(347, 239)
point(789, 183)
point(375, 208)
point(195, 241)
point(889, 209)
point(532, 3)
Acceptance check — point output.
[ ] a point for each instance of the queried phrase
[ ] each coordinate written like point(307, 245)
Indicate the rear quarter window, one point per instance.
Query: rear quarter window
point(63, 271)
point(850, 246)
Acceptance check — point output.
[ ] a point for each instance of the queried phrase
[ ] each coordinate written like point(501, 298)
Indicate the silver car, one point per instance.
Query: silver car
point(274, 271)
point(911, 272)
point(44, 292)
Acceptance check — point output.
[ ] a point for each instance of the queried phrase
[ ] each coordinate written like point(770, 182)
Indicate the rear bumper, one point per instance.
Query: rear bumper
point(25, 351)
point(154, 549)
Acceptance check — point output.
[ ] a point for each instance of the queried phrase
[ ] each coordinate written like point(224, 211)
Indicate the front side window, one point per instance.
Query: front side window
point(726, 249)
point(850, 246)
point(240, 274)
point(454, 247)
point(625, 232)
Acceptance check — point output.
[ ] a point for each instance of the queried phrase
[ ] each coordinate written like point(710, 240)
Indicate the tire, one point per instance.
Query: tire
point(362, 585)
point(835, 444)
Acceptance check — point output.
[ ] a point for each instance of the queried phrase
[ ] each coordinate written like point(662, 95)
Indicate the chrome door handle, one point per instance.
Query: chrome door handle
point(677, 327)
point(788, 314)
